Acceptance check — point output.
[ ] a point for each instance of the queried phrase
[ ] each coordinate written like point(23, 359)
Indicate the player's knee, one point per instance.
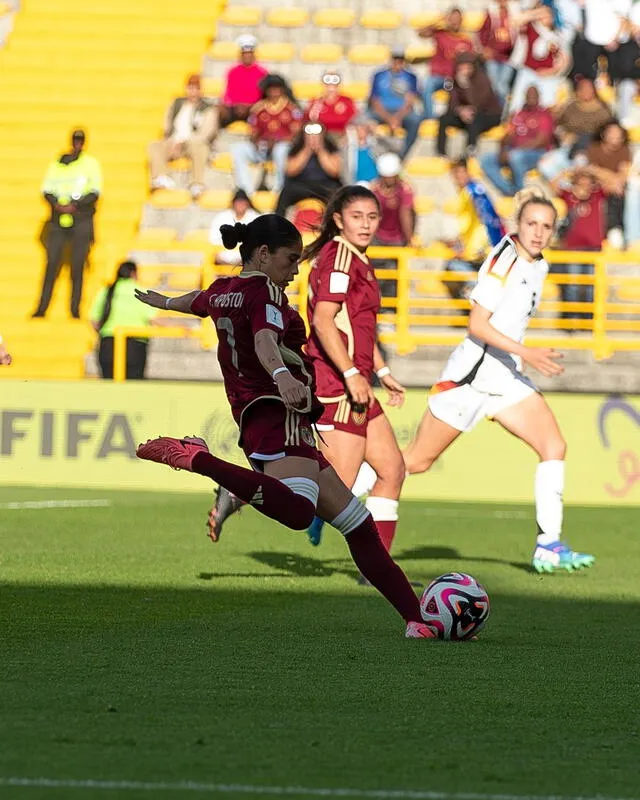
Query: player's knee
point(393, 473)
point(554, 450)
point(418, 464)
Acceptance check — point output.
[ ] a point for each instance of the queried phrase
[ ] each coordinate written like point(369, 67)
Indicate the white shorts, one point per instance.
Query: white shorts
point(463, 406)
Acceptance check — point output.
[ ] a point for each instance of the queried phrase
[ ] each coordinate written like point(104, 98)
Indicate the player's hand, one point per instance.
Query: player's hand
point(293, 392)
point(395, 389)
point(359, 390)
point(151, 298)
point(544, 360)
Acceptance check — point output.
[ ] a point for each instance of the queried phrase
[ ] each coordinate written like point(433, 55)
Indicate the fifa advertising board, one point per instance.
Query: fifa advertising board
point(84, 434)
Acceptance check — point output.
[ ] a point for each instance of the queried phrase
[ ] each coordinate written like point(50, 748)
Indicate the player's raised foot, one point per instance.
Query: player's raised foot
point(225, 505)
point(559, 557)
point(418, 630)
point(314, 531)
point(175, 453)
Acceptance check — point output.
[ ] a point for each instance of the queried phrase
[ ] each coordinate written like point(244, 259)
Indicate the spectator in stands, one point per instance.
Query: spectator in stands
point(608, 33)
point(632, 203)
point(544, 60)
point(497, 38)
point(609, 160)
point(450, 43)
point(576, 124)
point(333, 110)
point(473, 105)
point(313, 168)
point(397, 214)
point(529, 136)
point(241, 210)
point(5, 356)
point(479, 228)
point(116, 306)
point(72, 186)
point(274, 121)
point(242, 84)
point(189, 129)
point(362, 150)
point(392, 99)
point(582, 229)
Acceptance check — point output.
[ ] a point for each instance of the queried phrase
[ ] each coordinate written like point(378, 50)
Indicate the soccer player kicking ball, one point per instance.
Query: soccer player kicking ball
point(483, 376)
point(270, 385)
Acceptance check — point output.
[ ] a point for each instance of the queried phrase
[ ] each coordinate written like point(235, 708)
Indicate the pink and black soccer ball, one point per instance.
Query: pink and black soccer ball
point(455, 606)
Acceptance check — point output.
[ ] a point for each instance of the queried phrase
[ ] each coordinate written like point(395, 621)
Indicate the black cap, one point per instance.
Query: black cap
point(78, 134)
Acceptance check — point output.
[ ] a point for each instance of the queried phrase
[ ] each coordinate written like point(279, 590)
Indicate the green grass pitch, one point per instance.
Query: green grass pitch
point(132, 649)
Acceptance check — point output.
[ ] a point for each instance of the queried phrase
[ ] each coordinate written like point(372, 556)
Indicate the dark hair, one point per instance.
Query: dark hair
point(240, 194)
point(270, 229)
point(460, 163)
point(328, 230)
point(275, 79)
point(298, 142)
point(602, 130)
point(126, 270)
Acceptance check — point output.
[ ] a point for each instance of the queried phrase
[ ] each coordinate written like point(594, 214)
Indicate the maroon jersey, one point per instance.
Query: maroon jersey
point(240, 306)
point(342, 274)
point(586, 229)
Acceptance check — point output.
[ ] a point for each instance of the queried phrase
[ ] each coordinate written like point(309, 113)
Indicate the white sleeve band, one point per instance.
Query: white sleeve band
point(349, 373)
point(338, 283)
point(383, 372)
point(166, 302)
point(278, 371)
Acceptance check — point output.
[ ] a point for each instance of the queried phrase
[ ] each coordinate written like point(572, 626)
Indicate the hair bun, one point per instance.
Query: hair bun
point(233, 235)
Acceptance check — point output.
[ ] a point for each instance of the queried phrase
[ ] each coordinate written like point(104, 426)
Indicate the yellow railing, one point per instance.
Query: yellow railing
point(414, 319)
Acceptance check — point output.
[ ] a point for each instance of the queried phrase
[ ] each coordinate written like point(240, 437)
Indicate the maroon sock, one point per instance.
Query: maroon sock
point(387, 530)
point(266, 494)
point(377, 566)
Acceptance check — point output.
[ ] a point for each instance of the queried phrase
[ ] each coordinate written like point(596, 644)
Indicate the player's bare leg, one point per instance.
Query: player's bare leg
point(432, 438)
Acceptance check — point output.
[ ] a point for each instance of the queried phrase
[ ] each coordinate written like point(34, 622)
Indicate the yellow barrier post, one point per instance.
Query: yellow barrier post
point(404, 345)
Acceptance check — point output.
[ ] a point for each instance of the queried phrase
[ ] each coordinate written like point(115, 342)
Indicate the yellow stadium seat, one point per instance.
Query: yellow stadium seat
point(306, 90)
point(289, 17)
point(424, 19)
point(608, 94)
point(420, 50)
point(550, 291)
point(334, 18)
point(357, 90)
point(427, 166)
point(424, 205)
point(276, 51)
point(381, 19)
point(321, 54)
point(441, 97)
point(630, 294)
point(450, 206)
point(180, 164)
point(223, 51)
point(223, 162)
point(634, 134)
point(264, 201)
point(494, 134)
point(371, 55)
point(199, 236)
point(184, 278)
point(5, 8)
point(239, 127)
point(214, 199)
point(170, 198)
point(242, 16)
point(428, 128)
point(212, 87)
point(154, 239)
point(472, 20)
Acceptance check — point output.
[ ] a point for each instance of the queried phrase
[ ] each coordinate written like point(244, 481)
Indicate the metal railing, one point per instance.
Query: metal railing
point(412, 318)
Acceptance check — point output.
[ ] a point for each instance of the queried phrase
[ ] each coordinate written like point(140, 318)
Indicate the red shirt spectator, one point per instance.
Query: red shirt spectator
point(396, 198)
point(334, 111)
point(243, 84)
point(450, 43)
point(531, 126)
point(542, 47)
point(496, 34)
point(276, 121)
point(586, 208)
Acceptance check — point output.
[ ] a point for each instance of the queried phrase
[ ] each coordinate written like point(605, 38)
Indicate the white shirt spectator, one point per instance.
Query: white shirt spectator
point(183, 123)
point(228, 217)
point(604, 18)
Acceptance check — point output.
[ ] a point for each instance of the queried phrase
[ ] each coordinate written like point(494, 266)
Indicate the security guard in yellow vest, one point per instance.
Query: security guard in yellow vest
point(71, 186)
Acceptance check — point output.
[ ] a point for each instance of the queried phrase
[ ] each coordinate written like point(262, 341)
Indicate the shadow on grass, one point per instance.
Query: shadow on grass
point(266, 686)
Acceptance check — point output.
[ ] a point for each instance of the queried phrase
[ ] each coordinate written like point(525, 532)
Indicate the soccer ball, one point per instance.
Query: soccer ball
point(455, 606)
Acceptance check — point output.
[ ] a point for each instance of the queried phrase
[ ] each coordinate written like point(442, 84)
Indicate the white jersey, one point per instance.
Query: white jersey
point(510, 287)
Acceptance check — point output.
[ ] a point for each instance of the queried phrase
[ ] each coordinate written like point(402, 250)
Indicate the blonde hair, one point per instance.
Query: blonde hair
point(532, 195)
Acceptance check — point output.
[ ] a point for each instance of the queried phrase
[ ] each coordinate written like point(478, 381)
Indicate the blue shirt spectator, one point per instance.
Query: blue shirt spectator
point(394, 93)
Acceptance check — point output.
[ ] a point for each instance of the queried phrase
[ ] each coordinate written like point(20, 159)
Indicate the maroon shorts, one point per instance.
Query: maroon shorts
point(339, 415)
point(269, 432)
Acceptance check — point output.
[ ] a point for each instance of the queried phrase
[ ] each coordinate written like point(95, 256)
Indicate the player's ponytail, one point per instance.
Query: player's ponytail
point(127, 269)
point(271, 230)
point(328, 230)
point(532, 195)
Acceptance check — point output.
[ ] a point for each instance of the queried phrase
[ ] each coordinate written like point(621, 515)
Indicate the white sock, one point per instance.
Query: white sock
point(365, 480)
point(382, 509)
point(549, 487)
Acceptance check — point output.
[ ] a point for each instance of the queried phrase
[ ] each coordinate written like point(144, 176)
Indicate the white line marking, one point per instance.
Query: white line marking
point(44, 504)
point(308, 791)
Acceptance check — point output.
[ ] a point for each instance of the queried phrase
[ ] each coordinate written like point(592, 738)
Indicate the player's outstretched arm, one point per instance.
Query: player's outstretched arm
point(157, 300)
